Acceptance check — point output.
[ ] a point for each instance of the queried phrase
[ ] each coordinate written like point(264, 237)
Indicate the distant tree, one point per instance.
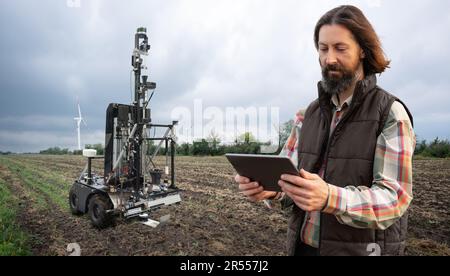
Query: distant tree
point(247, 145)
point(438, 148)
point(201, 148)
point(214, 144)
point(246, 138)
point(421, 147)
point(184, 149)
point(284, 131)
point(55, 151)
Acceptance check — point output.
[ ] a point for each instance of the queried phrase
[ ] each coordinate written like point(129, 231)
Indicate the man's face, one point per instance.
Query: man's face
point(340, 58)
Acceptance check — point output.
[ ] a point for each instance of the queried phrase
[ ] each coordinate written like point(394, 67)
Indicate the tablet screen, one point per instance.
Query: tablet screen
point(265, 169)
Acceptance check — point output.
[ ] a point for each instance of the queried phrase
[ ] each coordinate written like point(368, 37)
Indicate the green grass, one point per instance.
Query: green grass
point(42, 184)
point(38, 200)
point(13, 242)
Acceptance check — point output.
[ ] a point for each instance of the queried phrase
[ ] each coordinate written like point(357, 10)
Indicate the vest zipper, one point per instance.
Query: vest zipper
point(327, 153)
point(322, 157)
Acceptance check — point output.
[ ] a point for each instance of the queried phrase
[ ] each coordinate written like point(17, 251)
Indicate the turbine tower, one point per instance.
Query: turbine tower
point(79, 119)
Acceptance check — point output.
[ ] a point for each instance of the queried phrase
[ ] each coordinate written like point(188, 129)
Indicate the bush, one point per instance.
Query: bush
point(184, 149)
point(437, 148)
point(421, 147)
point(205, 148)
point(244, 148)
point(55, 151)
point(201, 148)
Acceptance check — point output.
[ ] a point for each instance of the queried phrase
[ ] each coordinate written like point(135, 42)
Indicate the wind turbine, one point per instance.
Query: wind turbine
point(79, 119)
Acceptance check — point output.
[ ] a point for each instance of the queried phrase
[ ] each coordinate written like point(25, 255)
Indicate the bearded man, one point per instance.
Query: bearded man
point(354, 148)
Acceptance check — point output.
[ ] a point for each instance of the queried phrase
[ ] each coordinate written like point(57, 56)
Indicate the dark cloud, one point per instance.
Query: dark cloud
point(227, 54)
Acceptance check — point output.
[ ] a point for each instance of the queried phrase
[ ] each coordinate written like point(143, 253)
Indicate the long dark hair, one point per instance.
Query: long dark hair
point(375, 61)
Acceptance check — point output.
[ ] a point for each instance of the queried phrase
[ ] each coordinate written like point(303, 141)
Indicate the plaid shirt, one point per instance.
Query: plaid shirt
point(389, 197)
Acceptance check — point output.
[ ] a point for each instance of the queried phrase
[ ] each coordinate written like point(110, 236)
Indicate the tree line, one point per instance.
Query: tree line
point(246, 143)
point(436, 148)
point(65, 151)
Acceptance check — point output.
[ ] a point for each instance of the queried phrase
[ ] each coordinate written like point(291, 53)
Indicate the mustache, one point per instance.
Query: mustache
point(334, 85)
point(333, 67)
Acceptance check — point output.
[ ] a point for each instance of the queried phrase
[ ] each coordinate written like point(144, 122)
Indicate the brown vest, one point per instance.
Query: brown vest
point(349, 152)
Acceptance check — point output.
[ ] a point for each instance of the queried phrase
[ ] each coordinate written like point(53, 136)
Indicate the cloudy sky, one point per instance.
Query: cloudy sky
point(225, 53)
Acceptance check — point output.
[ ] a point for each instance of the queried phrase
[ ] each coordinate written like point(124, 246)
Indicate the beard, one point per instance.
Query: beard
point(336, 79)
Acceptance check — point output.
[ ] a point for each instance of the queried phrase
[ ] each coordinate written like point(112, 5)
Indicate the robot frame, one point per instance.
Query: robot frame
point(132, 185)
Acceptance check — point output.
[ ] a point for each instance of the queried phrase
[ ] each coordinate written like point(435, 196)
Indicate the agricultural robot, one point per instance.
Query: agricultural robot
point(132, 185)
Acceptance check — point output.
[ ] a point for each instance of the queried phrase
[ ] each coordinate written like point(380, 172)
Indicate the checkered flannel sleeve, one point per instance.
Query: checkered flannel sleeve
point(389, 197)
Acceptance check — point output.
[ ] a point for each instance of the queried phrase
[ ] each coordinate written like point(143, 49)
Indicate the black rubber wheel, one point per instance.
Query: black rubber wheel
point(98, 207)
point(74, 202)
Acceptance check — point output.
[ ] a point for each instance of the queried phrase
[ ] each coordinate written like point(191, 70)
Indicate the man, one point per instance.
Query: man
point(354, 146)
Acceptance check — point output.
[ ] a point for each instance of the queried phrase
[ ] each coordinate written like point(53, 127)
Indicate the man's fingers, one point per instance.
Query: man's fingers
point(297, 199)
point(241, 179)
point(296, 180)
point(252, 192)
point(308, 175)
point(301, 202)
point(256, 198)
point(262, 196)
point(249, 186)
point(295, 190)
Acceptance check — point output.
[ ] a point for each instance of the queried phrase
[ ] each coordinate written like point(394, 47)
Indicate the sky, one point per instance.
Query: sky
point(220, 53)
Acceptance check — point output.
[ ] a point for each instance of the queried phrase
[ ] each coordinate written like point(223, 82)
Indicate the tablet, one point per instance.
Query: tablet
point(264, 169)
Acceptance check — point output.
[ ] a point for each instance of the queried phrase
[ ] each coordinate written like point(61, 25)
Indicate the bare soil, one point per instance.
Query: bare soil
point(213, 218)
